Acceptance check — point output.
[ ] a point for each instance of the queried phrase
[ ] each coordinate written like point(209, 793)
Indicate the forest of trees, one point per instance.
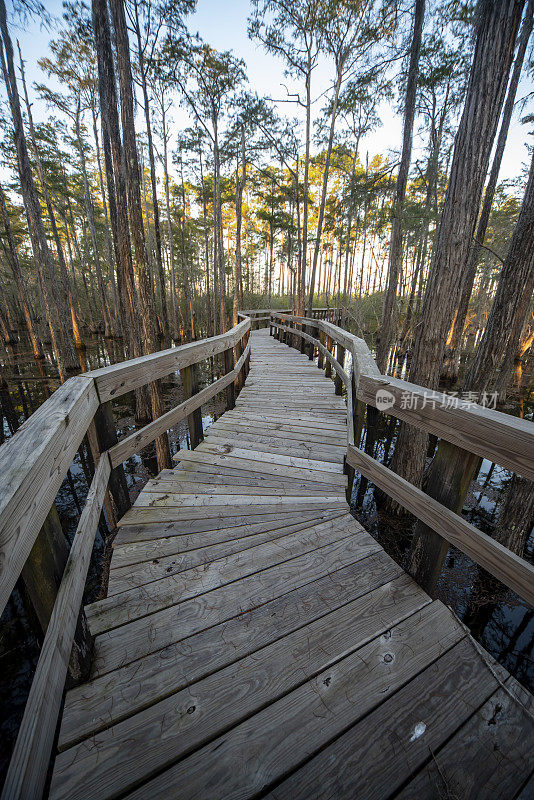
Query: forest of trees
point(116, 223)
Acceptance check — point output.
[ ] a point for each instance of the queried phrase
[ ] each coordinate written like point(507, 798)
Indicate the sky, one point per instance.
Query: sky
point(224, 26)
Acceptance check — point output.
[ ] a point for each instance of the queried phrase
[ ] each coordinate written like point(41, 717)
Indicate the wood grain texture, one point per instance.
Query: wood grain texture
point(246, 760)
point(33, 465)
point(502, 438)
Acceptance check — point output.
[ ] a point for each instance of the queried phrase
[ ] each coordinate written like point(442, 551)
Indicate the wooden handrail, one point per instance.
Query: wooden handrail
point(507, 440)
point(117, 379)
point(33, 465)
point(511, 569)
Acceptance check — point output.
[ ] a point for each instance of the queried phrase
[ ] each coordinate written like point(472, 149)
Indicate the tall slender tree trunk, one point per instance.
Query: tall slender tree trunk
point(59, 333)
point(118, 200)
point(90, 212)
point(17, 275)
point(109, 244)
point(388, 324)
point(136, 215)
point(240, 186)
point(498, 22)
point(455, 335)
point(324, 189)
point(304, 248)
point(152, 161)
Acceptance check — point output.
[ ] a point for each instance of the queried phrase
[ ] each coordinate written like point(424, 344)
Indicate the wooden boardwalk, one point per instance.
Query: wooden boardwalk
point(256, 641)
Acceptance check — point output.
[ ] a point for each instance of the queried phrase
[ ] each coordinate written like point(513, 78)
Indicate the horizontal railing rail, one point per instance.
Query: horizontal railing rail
point(33, 465)
point(506, 440)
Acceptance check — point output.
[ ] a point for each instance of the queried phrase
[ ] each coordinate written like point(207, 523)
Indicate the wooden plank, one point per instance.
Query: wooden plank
point(138, 551)
point(255, 464)
point(490, 758)
point(104, 701)
point(228, 524)
point(117, 379)
point(33, 465)
point(29, 763)
point(210, 525)
point(138, 602)
point(513, 571)
point(326, 453)
point(286, 461)
point(335, 690)
point(199, 712)
point(503, 438)
point(143, 516)
point(140, 637)
point(171, 493)
point(376, 756)
point(156, 566)
point(226, 477)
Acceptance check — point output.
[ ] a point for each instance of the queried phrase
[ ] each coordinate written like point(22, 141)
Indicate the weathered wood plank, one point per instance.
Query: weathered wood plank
point(203, 710)
point(138, 602)
point(140, 637)
point(503, 438)
point(376, 756)
point(117, 379)
point(489, 758)
point(205, 543)
point(335, 689)
point(104, 701)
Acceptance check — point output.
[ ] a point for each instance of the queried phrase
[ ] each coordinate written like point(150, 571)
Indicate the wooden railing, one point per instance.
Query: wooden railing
point(263, 315)
point(504, 439)
point(33, 465)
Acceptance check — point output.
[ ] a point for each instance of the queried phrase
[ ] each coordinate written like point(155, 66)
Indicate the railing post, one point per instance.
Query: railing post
point(320, 356)
point(338, 383)
point(229, 364)
point(102, 436)
point(189, 376)
point(328, 366)
point(358, 417)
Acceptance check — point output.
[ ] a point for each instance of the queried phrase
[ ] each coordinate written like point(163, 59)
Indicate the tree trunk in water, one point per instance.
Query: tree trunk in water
point(51, 215)
point(174, 320)
point(155, 204)
point(498, 24)
point(455, 335)
point(388, 324)
point(109, 245)
point(17, 275)
point(59, 333)
point(240, 186)
point(517, 515)
point(514, 291)
point(218, 231)
point(324, 188)
point(118, 201)
point(90, 212)
point(304, 249)
point(453, 469)
point(136, 214)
